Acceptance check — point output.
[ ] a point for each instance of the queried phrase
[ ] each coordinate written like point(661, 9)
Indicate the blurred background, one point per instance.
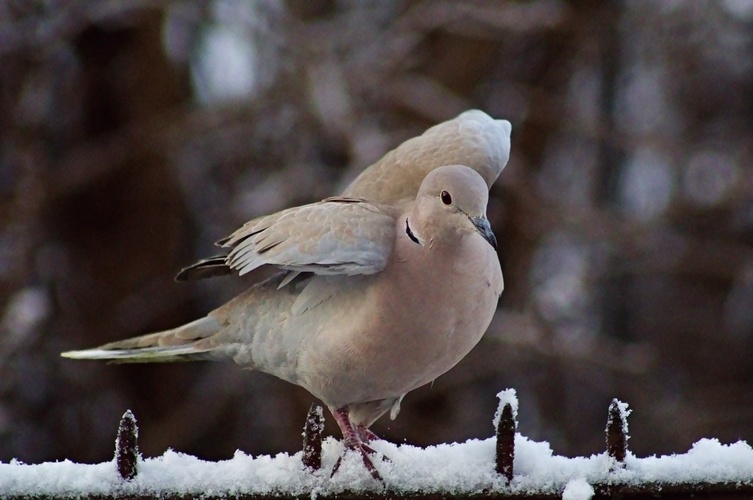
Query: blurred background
point(135, 134)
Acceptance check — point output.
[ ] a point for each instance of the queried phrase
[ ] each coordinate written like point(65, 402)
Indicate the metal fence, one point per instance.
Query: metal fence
point(127, 461)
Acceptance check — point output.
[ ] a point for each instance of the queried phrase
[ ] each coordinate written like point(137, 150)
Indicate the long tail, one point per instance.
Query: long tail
point(179, 344)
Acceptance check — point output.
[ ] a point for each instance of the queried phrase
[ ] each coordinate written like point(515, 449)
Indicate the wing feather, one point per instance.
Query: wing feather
point(336, 236)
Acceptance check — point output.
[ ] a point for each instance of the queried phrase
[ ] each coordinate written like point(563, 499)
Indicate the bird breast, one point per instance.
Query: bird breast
point(415, 321)
point(447, 296)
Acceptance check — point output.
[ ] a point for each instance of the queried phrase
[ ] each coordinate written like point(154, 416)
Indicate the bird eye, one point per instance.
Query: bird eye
point(446, 198)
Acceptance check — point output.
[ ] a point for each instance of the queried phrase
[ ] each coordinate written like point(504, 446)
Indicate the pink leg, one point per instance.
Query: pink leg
point(366, 434)
point(353, 441)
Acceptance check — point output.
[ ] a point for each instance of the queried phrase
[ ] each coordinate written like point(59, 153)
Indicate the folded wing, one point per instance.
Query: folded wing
point(335, 236)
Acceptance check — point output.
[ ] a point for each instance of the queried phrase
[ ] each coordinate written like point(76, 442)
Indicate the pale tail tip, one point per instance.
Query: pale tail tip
point(88, 354)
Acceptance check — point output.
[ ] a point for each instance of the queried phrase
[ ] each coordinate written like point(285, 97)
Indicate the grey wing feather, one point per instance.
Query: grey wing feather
point(335, 236)
point(205, 268)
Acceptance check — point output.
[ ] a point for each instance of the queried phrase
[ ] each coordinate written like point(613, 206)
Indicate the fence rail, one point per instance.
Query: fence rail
point(127, 462)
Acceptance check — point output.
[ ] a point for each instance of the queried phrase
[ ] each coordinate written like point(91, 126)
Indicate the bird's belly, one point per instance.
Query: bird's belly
point(410, 336)
point(450, 325)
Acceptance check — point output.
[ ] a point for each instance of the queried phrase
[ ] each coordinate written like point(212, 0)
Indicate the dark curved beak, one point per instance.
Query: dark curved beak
point(485, 229)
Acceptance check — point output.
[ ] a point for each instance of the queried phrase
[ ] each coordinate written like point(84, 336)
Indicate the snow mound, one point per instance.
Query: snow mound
point(449, 468)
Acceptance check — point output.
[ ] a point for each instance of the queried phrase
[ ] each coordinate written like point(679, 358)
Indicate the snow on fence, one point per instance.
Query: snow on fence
point(505, 466)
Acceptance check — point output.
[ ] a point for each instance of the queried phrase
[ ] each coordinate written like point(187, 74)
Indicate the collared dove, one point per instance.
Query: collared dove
point(473, 139)
point(379, 283)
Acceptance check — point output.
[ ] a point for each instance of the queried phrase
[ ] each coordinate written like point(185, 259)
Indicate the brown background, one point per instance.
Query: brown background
point(133, 135)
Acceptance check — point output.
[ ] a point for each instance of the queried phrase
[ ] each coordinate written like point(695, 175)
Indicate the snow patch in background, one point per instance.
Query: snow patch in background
point(25, 311)
point(450, 468)
point(646, 185)
point(226, 66)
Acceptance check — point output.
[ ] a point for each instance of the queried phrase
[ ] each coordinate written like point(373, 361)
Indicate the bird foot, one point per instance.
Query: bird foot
point(355, 439)
point(364, 450)
point(365, 434)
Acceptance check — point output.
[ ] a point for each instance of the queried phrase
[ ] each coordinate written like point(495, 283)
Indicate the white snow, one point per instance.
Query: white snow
point(625, 412)
point(578, 489)
point(508, 396)
point(451, 468)
point(467, 467)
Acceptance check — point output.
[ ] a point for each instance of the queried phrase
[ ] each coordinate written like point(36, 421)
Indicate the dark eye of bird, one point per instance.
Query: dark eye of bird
point(446, 198)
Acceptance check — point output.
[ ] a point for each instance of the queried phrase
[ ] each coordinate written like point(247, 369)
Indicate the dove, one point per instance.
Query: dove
point(473, 139)
point(383, 299)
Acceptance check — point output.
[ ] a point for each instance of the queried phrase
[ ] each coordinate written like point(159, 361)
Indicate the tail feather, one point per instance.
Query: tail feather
point(142, 355)
point(179, 344)
point(205, 268)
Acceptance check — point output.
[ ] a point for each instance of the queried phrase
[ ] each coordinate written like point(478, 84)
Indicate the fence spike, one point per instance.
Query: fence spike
point(127, 446)
point(617, 431)
point(312, 438)
point(505, 421)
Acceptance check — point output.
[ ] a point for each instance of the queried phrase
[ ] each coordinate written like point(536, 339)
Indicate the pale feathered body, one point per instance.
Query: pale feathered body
point(376, 298)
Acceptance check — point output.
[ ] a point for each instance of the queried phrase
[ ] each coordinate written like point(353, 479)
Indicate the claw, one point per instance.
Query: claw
point(368, 449)
point(354, 439)
point(365, 451)
point(337, 466)
point(370, 467)
point(366, 434)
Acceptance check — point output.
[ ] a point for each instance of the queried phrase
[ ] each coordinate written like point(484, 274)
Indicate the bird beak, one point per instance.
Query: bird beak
point(485, 229)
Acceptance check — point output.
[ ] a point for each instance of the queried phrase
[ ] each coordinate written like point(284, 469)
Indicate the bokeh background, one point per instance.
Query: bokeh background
point(134, 134)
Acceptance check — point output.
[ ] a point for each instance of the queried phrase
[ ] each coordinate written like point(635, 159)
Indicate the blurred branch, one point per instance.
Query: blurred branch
point(525, 331)
point(29, 25)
